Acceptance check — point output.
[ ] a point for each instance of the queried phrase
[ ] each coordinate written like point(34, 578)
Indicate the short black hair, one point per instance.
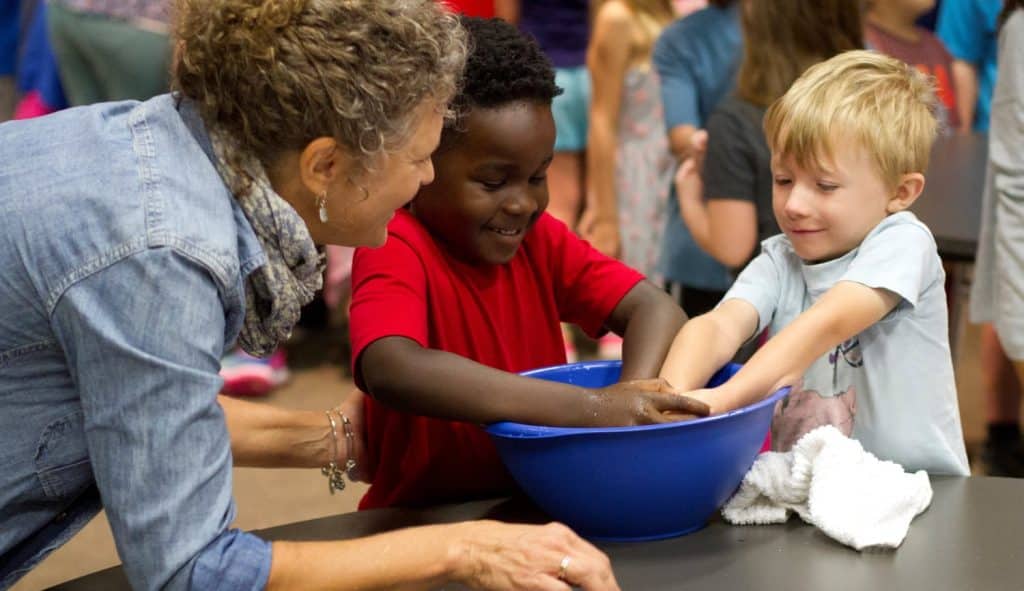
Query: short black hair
point(504, 66)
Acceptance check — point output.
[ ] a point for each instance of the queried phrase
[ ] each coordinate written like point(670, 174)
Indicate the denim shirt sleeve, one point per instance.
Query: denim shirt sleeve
point(143, 338)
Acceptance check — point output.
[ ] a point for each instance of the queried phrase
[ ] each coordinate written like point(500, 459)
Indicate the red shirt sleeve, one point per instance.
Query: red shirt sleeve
point(388, 297)
point(588, 285)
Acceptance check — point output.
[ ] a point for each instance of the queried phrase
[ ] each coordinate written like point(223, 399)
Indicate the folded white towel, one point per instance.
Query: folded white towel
point(831, 482)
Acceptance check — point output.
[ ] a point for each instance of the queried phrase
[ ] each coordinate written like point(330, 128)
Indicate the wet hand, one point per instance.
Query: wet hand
point(642, 402)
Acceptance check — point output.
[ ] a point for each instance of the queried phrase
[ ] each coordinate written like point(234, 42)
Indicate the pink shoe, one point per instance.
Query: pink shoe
point(609, 346)
point(31, 106)
point(245, 375)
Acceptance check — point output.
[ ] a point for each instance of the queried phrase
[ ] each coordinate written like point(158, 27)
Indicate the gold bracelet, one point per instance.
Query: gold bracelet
point(335, 476)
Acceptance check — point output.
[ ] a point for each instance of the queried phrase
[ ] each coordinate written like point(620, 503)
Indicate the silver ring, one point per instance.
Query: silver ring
point(563, 567)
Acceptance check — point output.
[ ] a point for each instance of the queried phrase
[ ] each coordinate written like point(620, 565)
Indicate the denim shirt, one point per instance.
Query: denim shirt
point(122, 261)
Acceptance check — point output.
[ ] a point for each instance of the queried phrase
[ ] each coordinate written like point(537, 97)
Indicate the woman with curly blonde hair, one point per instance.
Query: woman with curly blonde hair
point(138, 241)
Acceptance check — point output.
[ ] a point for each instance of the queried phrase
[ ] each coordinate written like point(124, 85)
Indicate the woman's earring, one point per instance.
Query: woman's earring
point(321, 203)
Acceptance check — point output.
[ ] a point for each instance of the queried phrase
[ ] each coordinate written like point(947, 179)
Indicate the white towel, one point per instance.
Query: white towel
point(832, 483)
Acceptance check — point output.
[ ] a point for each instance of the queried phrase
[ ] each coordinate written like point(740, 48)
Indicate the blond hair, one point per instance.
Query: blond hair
point(862, 96)
point(277, 74)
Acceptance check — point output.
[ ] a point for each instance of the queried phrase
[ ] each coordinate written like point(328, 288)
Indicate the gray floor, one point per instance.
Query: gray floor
point(271, 497)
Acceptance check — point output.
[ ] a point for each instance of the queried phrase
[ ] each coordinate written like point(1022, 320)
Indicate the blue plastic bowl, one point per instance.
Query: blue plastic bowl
point(633, 483)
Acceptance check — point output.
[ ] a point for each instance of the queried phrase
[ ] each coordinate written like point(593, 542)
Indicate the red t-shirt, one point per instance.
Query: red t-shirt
point(928, 55)
point(504, 316)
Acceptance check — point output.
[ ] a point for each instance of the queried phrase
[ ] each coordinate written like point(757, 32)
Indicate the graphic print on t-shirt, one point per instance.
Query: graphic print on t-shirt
point(807, 408)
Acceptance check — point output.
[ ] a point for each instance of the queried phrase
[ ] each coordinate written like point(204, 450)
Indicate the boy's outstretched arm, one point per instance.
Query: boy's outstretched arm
point(410, 378)
point(708, 342)
point(844, 311)
point(648, 319)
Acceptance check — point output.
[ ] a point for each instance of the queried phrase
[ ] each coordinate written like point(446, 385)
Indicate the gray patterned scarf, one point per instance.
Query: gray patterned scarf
point(293, 273)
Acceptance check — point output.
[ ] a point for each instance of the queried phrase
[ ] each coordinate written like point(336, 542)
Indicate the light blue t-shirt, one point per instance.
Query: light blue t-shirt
point(968, 28)
point(696, 58)
point(891, 387)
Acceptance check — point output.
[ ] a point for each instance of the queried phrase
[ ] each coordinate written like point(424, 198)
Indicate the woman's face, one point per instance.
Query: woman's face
point(358, 211)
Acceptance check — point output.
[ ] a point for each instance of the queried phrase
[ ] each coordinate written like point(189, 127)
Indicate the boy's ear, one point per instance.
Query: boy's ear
point(907, 191)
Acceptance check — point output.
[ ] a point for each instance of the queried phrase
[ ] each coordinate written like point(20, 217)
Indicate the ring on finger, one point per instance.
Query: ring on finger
point(563, 567)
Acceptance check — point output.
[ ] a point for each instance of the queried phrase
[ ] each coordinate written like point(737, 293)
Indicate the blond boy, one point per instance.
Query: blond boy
point(852, 291)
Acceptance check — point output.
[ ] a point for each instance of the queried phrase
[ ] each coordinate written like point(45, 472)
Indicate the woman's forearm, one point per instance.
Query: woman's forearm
point(476, 554)
point(265, 436)
point(409, 559)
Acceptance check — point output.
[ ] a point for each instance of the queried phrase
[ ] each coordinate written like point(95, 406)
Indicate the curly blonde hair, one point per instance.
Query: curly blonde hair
point(276, 74)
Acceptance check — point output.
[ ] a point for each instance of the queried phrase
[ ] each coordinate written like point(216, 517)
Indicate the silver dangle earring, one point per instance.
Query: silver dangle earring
point(321, 203)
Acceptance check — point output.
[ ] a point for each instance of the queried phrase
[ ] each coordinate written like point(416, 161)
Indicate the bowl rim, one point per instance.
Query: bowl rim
point(499, 429)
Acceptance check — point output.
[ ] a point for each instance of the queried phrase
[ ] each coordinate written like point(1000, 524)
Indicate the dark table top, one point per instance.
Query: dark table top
point(972, 537)
point(951, 202)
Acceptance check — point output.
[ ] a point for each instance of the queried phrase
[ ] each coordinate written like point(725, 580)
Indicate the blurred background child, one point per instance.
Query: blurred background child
point(997, 281)
point(628, 157)
point(968, 30)
point(110, 51)
point(890, 26)
point(732, 213)
point(696, 58)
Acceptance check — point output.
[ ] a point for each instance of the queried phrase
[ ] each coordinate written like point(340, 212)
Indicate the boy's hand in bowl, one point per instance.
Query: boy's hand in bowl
point(642, 402)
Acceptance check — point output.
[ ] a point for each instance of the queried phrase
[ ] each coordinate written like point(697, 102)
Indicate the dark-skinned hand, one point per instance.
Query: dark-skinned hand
point(641, 402)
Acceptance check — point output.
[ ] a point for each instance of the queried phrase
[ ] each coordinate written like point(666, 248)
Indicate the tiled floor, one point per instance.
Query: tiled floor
point(271, 497)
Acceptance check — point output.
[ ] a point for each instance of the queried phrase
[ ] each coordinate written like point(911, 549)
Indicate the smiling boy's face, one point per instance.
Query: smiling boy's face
point(491, 182)
point(827, 213)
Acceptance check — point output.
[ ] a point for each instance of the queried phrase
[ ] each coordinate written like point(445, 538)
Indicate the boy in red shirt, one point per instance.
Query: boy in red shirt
point(890, 28)
point(471, 287)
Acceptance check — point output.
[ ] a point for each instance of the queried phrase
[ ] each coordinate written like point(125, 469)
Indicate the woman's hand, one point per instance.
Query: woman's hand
point(641, 402)
point(499, 556)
